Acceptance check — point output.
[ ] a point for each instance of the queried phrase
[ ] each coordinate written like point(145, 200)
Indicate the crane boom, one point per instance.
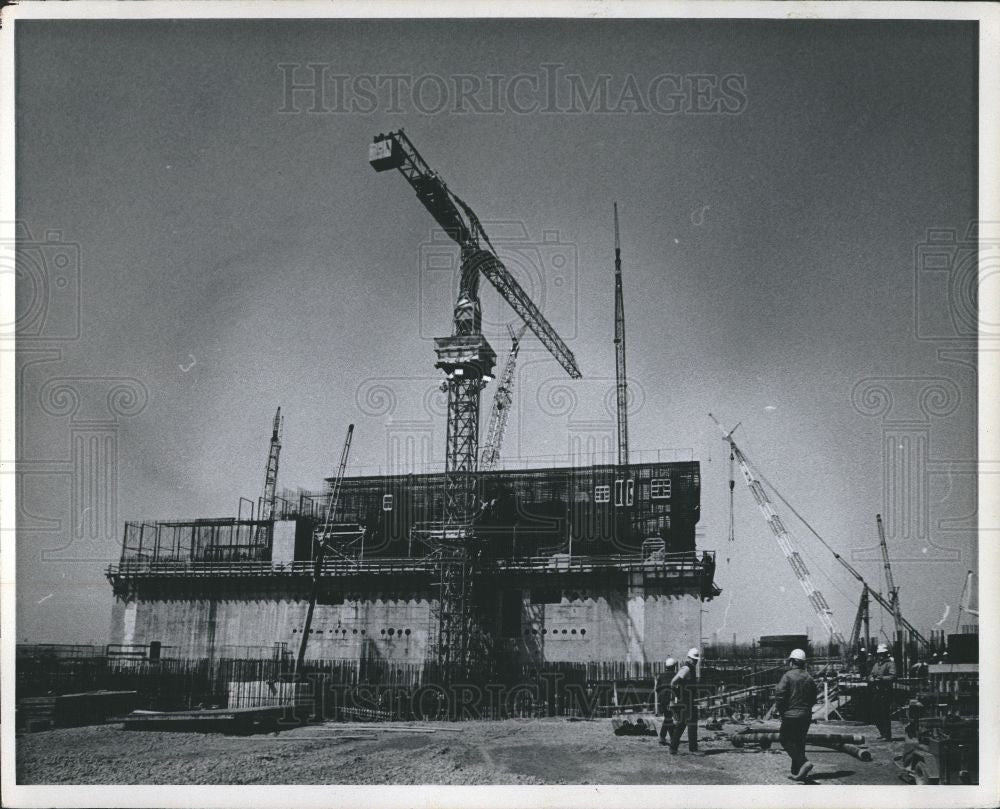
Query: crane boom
point(798, 565)
point(320, 549)
point(621, 380)
point(897, 612)
point(267, 500)
point(874, 594)
point(861, 618)
point(334, 495)
point(395, 150)
point(502, 400)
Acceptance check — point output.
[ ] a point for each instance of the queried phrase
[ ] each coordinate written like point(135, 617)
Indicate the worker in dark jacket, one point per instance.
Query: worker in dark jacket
point(684, 686)
point(664, 697)
point(793, 700)
point(880, 688)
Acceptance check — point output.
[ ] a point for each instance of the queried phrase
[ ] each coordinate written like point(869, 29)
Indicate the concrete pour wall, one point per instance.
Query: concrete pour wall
point(203, 627)
point(634, 624)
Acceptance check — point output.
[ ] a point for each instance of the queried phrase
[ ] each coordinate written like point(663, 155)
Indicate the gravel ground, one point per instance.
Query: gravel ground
point(543, 751)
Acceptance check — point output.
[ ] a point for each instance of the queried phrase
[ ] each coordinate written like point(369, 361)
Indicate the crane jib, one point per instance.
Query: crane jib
point(395, 151)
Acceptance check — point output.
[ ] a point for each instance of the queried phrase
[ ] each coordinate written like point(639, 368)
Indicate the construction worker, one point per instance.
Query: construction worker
point(663, 697)
point(880, 682)
point(684, 686)
point(793, 701)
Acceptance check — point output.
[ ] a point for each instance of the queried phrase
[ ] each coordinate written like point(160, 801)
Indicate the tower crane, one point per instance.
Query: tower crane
point(774, 522)
point(321, 540)
point(621, 381)
point(502, 401)
point(467, 361)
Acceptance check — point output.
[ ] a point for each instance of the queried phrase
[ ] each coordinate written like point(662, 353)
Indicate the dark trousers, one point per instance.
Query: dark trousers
point(793, 738)
point(683, 717)
point(668, 724)
point(881, 711)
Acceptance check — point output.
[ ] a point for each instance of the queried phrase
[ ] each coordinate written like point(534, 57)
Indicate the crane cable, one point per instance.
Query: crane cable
point(732, 485)
point(814, 532)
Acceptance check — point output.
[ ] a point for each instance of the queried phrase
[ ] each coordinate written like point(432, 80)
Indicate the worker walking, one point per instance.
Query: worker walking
point(794, 699)
point(663, 697)
point(880, 688)
point(684, 686)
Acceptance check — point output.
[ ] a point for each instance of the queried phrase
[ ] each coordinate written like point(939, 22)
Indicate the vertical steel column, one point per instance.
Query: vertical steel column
point(462, 449)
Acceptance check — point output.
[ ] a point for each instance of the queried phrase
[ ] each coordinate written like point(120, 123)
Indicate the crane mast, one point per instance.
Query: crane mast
point(798, 565)
point(620, 375)
point(502, 401)
point(467, 360)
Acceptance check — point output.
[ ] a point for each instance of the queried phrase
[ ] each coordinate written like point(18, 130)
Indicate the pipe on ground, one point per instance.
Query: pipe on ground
point(822, 739)
point(860, 753)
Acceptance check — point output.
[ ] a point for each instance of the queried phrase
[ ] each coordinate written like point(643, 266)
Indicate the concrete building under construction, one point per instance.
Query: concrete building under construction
point(579, 564)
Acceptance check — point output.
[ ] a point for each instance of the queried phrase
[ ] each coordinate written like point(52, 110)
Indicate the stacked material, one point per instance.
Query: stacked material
point(73, 710)
point(215, 720)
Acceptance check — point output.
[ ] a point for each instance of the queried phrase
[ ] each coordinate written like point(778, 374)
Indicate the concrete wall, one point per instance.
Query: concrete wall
point(217, 627)
point(633, 625)
point(638, 622)
point(283, 542)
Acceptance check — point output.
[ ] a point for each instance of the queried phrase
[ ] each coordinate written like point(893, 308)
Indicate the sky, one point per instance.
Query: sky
point(231, 250)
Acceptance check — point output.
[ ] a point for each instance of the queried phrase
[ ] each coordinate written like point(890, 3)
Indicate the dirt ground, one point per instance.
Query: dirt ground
point(540, 751)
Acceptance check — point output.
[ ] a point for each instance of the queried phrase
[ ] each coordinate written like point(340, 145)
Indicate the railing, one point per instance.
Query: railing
point(681, 562)
point(675, 563)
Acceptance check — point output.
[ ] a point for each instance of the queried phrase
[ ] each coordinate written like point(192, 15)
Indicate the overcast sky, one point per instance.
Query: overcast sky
point(237, 252)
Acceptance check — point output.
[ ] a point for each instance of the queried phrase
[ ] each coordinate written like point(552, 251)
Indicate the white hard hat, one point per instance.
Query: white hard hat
point(693, 654)
point(670, 662)
point(797, 654)
point(882, 648)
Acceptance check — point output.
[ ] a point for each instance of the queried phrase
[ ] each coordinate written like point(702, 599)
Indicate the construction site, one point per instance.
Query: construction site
point(414, 600)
